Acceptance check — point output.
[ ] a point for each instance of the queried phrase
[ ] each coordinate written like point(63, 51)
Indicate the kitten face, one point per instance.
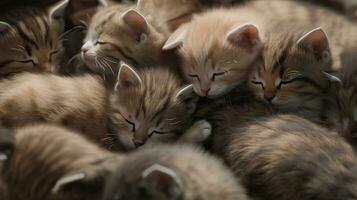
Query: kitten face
point(149, 106)
point(290, 73)
point(120, 33)
point(31, 41)
point(216, 64)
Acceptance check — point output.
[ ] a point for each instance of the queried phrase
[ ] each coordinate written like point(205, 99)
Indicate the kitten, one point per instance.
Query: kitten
point(148, 104)
point(217, 49)
point(346, 96)
point(31, 39)
point(134, 34)
point(290, 74)
point(50, 162)
point(167, 172)
point(293, 159)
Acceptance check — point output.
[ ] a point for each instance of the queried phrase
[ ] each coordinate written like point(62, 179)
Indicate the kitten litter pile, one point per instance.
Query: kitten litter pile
point(178, 100)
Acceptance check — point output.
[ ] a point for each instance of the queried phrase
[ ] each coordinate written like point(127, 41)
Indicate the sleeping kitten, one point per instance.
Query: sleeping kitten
point(167, 172)
point(31, 39)
point(134, 34)
point(294, 159)
point(151, 104)
point(47, 159)
point(346, 96)
point(290, 75)
point(217, 50)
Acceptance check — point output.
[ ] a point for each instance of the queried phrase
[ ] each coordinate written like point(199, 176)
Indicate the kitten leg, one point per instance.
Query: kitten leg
point(197, 133)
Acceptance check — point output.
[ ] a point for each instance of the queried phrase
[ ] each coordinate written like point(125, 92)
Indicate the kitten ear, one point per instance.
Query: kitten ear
point(66, 181)
point(245, 36)
point(163, 180)
point(127, 77)
point(175, 40)
point(317, 42)
point(189, 97)
point(4, 27)
point(56, 12)
point(137, 25)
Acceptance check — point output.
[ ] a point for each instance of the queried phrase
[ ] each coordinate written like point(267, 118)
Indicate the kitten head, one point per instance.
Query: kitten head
point(216, 54)
point(347, 96)
point(155, 182)
point(31, 40)
point(149, 105)
point(291, 69)
point(121, 33)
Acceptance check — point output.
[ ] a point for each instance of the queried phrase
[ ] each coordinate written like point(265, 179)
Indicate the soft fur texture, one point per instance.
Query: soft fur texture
point(167, 172)
point(293, 159)
point(44, 154)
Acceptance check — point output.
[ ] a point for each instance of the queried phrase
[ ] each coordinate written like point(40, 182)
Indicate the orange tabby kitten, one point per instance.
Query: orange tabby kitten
point(134, 34)
point(150, 104)
point(31, 39)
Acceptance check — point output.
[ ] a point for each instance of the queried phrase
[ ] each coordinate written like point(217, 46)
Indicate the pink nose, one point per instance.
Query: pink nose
point(84, 49)
point(205, 90)
point(138, 143)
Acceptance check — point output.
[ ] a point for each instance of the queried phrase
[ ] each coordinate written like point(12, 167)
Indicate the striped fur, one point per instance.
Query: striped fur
point(167, 172)
point(111, 38)
point(290, 75)
point(293, 159)
point(44, 154)
point(86, 106)
point(347, 96)
point(31, 41)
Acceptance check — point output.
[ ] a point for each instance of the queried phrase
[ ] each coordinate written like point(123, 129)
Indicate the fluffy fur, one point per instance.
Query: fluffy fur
point(44, 154)
point(167, 172)
point(293, 159)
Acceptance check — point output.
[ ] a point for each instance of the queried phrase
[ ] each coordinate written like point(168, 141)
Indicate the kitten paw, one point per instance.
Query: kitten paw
point(198, 132)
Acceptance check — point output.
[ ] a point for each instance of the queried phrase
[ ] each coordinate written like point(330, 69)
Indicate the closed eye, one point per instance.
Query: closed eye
point(285, 82)
point(129, 122)
point(194, 76)
point(217, 74)
point(27, 61)
point(258, 83)
point(53, 53)
point(100, 42)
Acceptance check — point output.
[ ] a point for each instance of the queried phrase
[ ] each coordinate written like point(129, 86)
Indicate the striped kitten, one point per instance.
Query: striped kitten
point(148, 104)
point(167, 172)
point(44, 159)
point(294, 159)
point(290, 76)
point(347, 96)
point(217, 50)
point(132, 33)
point(31, 39)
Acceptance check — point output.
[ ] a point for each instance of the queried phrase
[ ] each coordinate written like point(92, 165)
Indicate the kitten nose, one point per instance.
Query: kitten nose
point(84, 49)
point(138, 143)
point(205, 90)
point(269, 96)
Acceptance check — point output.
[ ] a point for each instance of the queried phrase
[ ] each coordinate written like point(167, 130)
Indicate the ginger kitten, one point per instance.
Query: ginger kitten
point(31, 39)
point(167, 172)
point(149, 104)
point(290, 74)
point(134, 34)
point(217, 49)
point(50, 162)
point(293, 159)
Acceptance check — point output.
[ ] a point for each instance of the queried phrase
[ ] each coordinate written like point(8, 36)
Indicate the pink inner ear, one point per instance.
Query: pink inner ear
point(136, 22)
point(126, 77)
point(319, 42)
point(246, 37)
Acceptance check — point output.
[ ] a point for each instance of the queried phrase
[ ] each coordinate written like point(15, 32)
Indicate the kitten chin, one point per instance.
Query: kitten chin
point(279, 145)
point(32, 39)
point(167, 172)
